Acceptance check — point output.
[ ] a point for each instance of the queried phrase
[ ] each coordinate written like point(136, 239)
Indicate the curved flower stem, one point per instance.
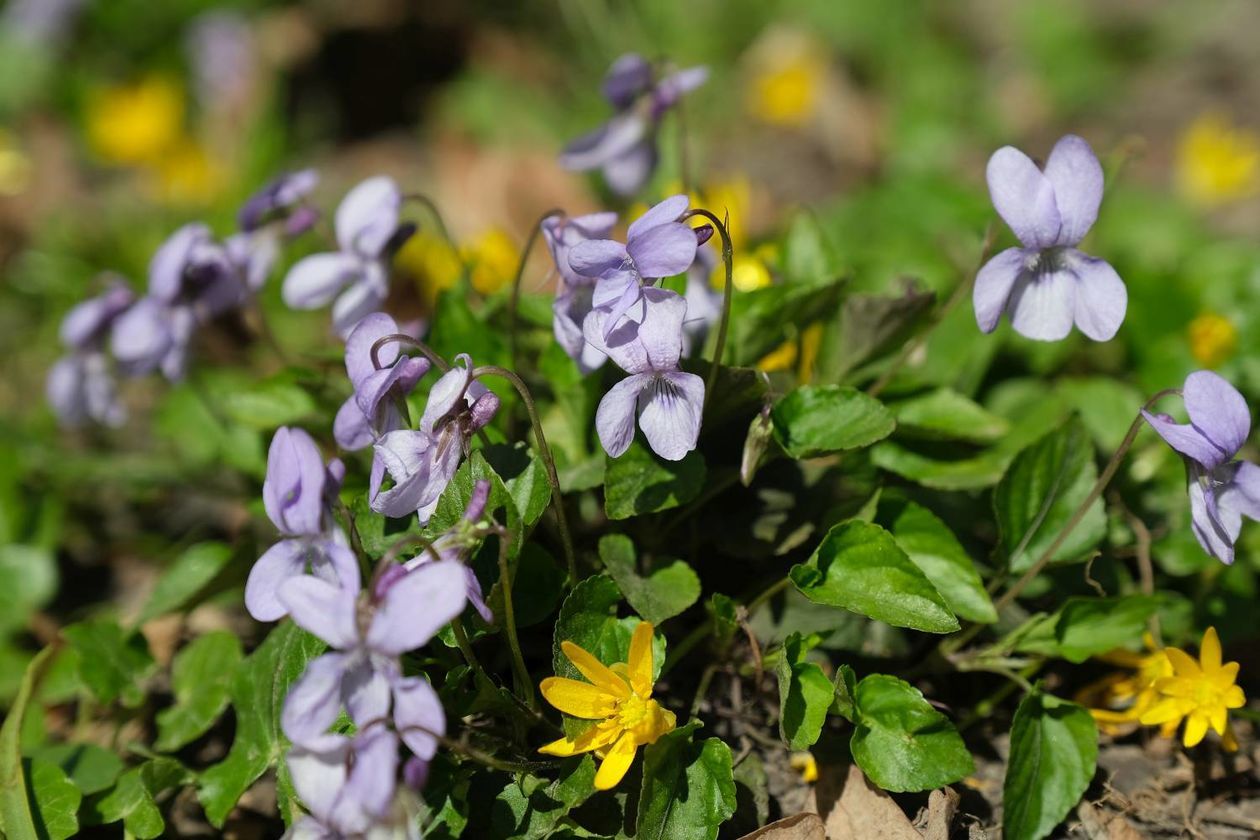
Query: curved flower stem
point(544, 451)
point(728, 288)
point(954, 643)
point(523, 684)
point(481, 757)
point(964, 286)
point(465, 647)
point(515, 300)
point(431, 206)
point(402, 338)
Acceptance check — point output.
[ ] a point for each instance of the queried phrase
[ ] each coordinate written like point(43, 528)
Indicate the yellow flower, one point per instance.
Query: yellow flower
point(431, 262)
point(1217, 163)
point(492, 259)
point(1122, 698)
point(619, 698)
point(1201, 693)
point(1213, 339)
point(188, 174)
point(15, 166)
point(804, 763)
point(786, 93)
point(136, 123)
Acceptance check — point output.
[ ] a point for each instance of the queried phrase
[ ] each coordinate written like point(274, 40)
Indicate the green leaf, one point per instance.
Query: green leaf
point(588, 619)
point(28, 581)
point(761, 319)
point(688, 789)
point(525, 476)
point(871, 326)
point(640, 482)
point(858, 566)
point(664, 593)
point(537, 586)
point(187, 576)
point(937, 552)
point(818, 420)
point(1054, 748)
point(1084, 627)
point(454, 501)
point(258, 690)
point(845, 687)
point(112, 662)
point(725, 614)
point(946, 414)
point(807, 255)
point(16, 817)
point(805, 695)
point(55, 800)
point(91, 768)
point(268, 404)
point(201, 679)
point(531, 808)
point(901, 742)
point(1041, 491)
point(134, 799)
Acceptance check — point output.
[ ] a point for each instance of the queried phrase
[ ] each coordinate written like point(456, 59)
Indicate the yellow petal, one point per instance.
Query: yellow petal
point(1196, 728)
point(1163, 711)
point(1210, 651)
point(1225, 675)
point(595, 671)
point(1234, 697)
point(595, 738)
point(578, 698)
point(639, 662)
point(1182, 663)
point(615, 764)
point(1228, 741)
point(1218, 718)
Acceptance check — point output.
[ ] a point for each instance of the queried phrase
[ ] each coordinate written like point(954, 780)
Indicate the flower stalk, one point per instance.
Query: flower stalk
point(728, 288)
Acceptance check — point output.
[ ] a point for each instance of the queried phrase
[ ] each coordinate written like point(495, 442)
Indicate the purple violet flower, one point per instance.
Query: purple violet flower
point(368, 632)
point(274, 213)
point(625, 146)
point(668, 401)
point(373, 409)
point(422, 462)
point(192, 279)
point(657, 245)
point(80, 385)
point(575, 293)
point(298, 494)
point(357, 275)
point(455, 544)
point(348, 786)
point(1047, 285)
point(1222, 490)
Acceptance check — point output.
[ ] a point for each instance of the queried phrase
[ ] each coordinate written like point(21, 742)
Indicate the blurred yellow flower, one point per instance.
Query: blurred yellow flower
point(804, 763)
point(1216, 162)
point(620, 698)
point(491, 257)
point(431, 262)
point(1123, 697)
point(136, 123)
point(15, 166)
point(188, 174)
point(1201, 693)
point(800, 352)
point(786, 92)
point(1213, 339)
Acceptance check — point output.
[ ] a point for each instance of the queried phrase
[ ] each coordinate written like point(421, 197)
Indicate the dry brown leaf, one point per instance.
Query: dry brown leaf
point(939, 816)
point(799, 827)
point(864, 812)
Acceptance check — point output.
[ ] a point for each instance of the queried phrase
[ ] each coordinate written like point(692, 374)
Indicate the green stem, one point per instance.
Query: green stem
point(728, 255)
point(515, 300)
point(465, 648)
point(544, 451)
point(960, 291)
point(523, 684)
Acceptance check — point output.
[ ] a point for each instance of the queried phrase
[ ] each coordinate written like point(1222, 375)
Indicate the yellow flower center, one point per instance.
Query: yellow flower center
point(632, 711)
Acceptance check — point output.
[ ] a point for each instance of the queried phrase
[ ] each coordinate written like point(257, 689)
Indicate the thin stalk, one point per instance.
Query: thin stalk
point(402, 338)
point(960, 291)
point(515, 300)
point(481, 757)
point(728, 288)
point(443, 231)
point(544, 451)
point(1079, 514)
point(465, 647)
point(523, 684)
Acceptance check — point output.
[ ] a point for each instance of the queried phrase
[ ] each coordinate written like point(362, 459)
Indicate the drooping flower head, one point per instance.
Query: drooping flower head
point(357, 274)
point(624, 148)
point(373, 409)
point(657, 245)
point(298, 493)
point(619, 698)
point(575, 292)
point(1047, 285)
point(1200, 693)
point(1222, 490)
point(368, 631)
point(455, 545)
point(80, 385)
point(274, 213)
point(423, 461)
point(667, 401)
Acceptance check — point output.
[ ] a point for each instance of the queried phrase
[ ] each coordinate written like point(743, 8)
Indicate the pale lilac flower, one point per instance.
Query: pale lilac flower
point(373, 409)
point(273, 214)
point(298, 494)
point(575, 292)
point(1047, 285)
point(368, 632)
point(192, 279)
point(1222, 490)
point(657, 245)
point(422, 462)
point(624, 148)
point(223, 57)
point(41, 22)
point(348, 786)
point(458, 540)
point(704, 303)
point(356, 275)
point(80, 385)
point(668, 401)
